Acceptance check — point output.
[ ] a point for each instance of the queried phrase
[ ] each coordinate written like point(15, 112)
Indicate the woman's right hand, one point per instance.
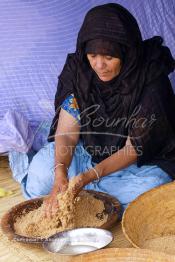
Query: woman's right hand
point(51, 202)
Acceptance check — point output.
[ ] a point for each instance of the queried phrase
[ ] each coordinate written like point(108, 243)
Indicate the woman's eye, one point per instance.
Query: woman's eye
point(91, 55)
point(109, 57)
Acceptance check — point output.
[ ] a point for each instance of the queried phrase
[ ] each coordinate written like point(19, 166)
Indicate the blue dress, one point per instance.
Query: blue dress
point(37, 177)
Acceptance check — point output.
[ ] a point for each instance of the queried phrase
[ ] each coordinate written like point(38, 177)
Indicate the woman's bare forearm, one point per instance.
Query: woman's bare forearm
point(66, 138)
point(117, 161)
point(64, 150)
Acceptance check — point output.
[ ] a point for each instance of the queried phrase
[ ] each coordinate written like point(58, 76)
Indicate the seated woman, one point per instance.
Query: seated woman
point(114, 127)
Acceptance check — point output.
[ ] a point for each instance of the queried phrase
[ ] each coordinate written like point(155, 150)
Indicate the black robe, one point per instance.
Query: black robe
point(139, 102)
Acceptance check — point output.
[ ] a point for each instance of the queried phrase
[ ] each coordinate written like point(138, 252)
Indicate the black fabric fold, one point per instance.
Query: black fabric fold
point(144, 65)
point(152, 130)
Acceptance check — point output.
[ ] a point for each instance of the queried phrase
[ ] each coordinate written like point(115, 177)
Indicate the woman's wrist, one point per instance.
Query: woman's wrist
point(60, 166)
point(55, 190)
point(61, 171)
point(60, 174)
point(91, 175)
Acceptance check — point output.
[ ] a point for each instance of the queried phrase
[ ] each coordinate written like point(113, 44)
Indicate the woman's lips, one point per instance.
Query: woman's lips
point(103, 74)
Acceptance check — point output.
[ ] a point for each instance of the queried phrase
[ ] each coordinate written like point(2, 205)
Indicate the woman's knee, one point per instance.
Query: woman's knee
point(41, 172)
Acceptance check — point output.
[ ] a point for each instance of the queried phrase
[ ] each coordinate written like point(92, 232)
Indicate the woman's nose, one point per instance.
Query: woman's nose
point(100, 64)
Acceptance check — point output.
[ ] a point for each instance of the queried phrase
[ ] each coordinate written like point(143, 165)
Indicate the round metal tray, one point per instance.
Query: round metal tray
point(78, 241)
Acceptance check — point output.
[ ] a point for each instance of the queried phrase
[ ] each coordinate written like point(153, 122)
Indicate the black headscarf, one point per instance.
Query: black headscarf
point(142, 63)
point(104, 47)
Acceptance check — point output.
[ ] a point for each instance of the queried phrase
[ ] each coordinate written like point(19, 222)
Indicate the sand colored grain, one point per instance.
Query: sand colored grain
point(83, 211)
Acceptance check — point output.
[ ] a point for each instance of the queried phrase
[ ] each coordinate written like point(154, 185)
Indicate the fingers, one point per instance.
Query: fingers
point(77, 187)
point(62, 184)
point(63, 188)
point(50, 207)
point(47, 207)
point(54, 208)
point(51, 203)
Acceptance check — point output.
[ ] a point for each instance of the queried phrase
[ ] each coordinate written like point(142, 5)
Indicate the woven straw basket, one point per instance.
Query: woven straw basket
point(149, 221)
point(124, 255)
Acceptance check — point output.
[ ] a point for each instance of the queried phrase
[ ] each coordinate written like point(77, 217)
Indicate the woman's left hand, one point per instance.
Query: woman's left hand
point(78, 184)
point(82, 180)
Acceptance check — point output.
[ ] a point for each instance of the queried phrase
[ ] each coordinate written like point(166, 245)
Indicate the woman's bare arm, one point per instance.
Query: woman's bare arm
point(66, 138)
point(117, 161)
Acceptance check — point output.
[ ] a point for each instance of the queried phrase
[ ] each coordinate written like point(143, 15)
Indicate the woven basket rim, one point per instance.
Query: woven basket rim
point(149, 193)
point(129, 252)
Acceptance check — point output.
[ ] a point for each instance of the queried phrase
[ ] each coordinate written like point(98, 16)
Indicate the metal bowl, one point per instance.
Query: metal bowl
point(78, 241)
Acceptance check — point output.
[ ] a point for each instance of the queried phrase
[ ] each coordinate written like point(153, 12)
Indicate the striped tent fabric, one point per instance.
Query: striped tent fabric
point(36, 36)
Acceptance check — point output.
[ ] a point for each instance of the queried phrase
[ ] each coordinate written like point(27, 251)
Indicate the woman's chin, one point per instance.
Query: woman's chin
point(105, 78)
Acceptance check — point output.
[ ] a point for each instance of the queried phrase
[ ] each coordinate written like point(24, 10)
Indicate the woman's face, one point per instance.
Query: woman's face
point(106, 67)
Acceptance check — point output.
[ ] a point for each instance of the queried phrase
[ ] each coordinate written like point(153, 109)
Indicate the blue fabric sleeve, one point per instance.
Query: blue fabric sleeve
point(71, 106)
